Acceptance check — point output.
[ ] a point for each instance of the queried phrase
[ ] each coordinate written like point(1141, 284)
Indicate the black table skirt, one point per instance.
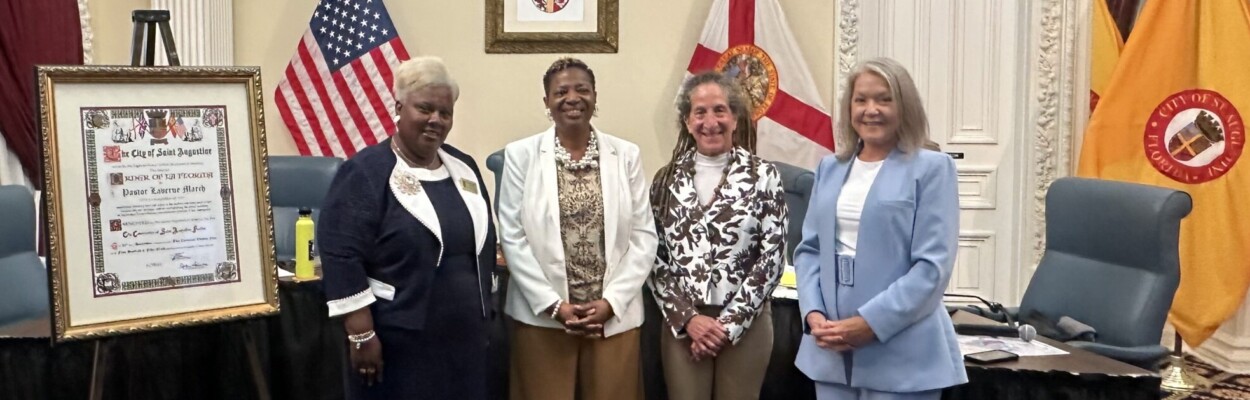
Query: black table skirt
point(302, 354)
point(784, 381)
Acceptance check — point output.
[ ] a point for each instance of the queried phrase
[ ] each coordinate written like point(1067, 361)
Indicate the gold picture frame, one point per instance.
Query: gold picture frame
point(595, 31)
point(156, 197)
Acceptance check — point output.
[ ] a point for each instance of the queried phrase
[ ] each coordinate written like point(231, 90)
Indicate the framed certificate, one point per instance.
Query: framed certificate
point(156, 197)
point(552, 26)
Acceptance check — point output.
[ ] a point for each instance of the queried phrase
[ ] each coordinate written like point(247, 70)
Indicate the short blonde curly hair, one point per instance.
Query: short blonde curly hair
point(420, 72)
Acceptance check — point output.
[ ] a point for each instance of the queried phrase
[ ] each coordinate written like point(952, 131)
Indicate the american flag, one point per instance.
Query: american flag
point(335, 97)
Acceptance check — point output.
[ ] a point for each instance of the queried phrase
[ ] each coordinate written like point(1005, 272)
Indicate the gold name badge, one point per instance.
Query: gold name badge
point(468, 186)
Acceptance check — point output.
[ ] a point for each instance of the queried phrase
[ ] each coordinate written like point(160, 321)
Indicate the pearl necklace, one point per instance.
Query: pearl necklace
point(590, 159)
point(395, 145)
point(406, 181)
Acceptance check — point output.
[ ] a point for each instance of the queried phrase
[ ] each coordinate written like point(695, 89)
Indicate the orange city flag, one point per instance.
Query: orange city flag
point(1172, 116)
point(749, 41)
point(1105, 46)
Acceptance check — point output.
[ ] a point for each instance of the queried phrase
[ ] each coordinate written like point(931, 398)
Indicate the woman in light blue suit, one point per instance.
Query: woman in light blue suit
point(871, 274)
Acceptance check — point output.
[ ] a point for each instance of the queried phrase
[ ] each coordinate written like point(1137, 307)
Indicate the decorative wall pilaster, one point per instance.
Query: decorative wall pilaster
point(847, 38)
point(1055, 113)
point(84, 20)
point(203, 31)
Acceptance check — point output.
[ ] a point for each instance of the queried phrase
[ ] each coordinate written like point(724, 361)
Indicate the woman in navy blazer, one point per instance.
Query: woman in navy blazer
point(407, 247)
point(871, 274)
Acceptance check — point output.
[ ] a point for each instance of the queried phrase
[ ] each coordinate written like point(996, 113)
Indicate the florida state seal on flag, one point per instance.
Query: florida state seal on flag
point(750, 41)
point(1172, 116)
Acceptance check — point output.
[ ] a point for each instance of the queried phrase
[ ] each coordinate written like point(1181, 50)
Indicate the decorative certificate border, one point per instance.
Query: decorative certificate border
point(248, 287)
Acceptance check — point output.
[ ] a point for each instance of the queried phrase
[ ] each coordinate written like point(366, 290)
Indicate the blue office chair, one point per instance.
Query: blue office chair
point(1111, 262)
point(494, 163)
point(23, 278)
point(297, 182)
point(797, 183)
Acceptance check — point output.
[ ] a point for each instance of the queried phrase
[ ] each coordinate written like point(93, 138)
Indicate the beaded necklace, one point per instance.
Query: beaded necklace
point(590, 159)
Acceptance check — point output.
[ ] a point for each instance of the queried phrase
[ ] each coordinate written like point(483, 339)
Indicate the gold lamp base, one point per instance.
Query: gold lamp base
point(1178, 378)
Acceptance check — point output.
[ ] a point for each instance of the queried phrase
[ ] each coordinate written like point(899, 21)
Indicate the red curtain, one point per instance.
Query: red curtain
point(32, 32)
point(1125, 13)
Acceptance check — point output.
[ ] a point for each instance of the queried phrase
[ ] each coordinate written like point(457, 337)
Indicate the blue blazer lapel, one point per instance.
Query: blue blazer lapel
point(893, 171)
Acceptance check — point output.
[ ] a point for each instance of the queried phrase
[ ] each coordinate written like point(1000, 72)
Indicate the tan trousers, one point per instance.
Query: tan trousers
point(548, 364)
point(736, 373)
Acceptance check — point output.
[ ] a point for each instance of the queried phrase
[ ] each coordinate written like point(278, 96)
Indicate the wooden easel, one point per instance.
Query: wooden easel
point(143, 45)
point(143, 54)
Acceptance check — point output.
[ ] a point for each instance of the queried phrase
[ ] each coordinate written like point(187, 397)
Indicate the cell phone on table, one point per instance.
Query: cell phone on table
point(991, 357)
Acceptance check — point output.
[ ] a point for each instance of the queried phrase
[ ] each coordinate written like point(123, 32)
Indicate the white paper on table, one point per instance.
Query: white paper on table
point(975, 344)
point(782, 292)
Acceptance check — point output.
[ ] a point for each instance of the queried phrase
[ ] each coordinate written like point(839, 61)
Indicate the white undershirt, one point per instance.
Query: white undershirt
point(708, 172)
point(851, 203)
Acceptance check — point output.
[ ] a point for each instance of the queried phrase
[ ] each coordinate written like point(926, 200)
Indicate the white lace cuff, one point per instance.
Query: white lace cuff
point(351, 303)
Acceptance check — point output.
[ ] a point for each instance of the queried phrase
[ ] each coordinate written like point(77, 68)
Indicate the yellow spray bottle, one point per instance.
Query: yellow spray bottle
point(303, 245)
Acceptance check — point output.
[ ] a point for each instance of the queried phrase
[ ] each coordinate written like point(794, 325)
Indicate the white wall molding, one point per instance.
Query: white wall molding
point(978, 188)
point(1055, 75)
point(203, 31)
point(847, 54)
point(88, 38)
point(977, 262)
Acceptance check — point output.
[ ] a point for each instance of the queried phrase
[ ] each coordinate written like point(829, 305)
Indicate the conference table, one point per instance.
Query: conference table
point(302, 354)
point(1080, 374)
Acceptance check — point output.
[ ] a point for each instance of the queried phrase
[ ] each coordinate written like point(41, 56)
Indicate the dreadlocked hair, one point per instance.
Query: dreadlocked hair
point(744, 134)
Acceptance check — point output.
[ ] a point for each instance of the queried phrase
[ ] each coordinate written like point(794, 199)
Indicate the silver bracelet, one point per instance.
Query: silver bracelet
point(555, 311)
point(359, 339)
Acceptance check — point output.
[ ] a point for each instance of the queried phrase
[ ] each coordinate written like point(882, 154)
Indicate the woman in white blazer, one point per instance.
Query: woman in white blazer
point(872, 272)
point(578, 234)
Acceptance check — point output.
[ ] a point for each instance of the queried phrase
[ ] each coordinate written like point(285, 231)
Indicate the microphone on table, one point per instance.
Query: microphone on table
point(1025, 332)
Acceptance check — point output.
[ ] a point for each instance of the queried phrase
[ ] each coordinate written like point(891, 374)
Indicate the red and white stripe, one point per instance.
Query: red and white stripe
point(338, 114)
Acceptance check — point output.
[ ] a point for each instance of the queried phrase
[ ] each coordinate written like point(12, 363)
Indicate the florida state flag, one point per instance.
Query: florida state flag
point(750, 41)
point(1172, 117)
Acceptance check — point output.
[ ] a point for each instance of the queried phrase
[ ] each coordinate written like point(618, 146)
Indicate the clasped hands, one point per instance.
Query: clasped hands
point(585, 319)
point(707, 337)
point(840, 335)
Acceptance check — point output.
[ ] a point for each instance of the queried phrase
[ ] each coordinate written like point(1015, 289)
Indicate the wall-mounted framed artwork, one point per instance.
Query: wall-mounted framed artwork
point(552, 26)
point(156, 198)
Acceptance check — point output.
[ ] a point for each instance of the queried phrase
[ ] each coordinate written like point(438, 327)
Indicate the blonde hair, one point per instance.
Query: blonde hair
point(421, 72)
point(913, 127)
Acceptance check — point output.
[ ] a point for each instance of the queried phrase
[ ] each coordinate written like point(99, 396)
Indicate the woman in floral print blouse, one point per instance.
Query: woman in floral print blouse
point(721, 217)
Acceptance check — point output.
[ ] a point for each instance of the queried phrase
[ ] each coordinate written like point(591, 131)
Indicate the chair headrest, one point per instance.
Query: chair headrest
point(494, 162)
point(1117, 222)
point(298, 181)
point(17, 233)
point(795, 179)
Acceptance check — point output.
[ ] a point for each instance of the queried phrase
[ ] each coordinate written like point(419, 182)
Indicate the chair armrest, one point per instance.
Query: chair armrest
point(982, 311)
point(1147, 356)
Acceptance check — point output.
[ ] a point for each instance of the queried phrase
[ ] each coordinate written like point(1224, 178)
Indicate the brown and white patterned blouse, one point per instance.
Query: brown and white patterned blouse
point(727, 253)
point(581, 227)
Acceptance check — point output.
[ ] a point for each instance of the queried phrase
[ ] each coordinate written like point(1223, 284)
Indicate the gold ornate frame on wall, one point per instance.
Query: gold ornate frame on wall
point(251, 289)
point(603, 40)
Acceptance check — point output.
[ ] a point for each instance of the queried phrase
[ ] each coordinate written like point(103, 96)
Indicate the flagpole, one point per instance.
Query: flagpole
point(1177, 376)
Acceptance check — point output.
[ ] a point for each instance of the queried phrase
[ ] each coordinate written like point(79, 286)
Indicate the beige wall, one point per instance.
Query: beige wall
point(501, 95)
point(111, 29)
